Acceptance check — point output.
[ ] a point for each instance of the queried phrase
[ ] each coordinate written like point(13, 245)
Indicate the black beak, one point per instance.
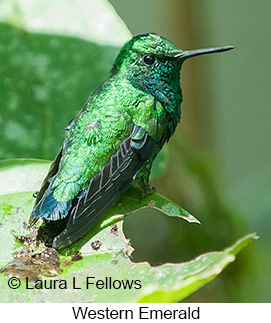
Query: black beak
point(195, 52)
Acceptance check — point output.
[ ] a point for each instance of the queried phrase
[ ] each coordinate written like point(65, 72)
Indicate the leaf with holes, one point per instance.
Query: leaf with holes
point(105, 253)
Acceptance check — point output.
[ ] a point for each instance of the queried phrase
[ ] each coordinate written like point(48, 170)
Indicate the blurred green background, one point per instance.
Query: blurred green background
point(218, 162)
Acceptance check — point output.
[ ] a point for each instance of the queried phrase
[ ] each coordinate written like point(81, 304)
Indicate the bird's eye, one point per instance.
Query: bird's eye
point(149, 59)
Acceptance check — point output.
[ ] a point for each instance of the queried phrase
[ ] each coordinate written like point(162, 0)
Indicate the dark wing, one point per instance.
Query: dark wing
point(106, 187)
point(46, 182)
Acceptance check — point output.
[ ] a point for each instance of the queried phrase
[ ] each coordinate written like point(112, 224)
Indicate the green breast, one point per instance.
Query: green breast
point(97, 134)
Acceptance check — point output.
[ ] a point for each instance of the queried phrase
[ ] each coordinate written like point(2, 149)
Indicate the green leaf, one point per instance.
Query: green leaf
point(49, 65)
point(194, 274)
point(107, 254)
point(98, 21)
point(24, 177)
point(19, 180)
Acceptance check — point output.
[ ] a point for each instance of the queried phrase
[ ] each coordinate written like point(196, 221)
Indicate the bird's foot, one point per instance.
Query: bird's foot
point(147, 190)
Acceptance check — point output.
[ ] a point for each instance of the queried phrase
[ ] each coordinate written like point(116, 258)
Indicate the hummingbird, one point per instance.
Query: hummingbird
point(112, 142)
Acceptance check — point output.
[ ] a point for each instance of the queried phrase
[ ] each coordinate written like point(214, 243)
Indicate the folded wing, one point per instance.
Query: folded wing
point(106, 187)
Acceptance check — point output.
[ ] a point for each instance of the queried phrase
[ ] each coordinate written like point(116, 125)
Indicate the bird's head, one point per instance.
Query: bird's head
point(151, 61)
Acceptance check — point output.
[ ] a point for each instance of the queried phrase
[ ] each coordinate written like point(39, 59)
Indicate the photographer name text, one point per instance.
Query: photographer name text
point(75, 283)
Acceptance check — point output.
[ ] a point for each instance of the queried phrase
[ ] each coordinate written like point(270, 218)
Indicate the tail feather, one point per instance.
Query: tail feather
point(50, 209)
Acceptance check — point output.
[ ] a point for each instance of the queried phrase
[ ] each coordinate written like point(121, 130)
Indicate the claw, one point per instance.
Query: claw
point(147, 190)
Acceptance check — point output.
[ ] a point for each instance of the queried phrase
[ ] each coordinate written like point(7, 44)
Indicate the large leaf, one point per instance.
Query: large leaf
point(105, 255)
point(53, 54)
point(23, 178)
point(49, 65)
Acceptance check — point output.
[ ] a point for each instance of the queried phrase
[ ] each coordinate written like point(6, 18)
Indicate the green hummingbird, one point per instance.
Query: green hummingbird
point(112, 142)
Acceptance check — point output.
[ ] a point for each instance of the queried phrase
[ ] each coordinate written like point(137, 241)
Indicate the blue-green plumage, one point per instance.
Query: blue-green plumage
point(115, 137)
